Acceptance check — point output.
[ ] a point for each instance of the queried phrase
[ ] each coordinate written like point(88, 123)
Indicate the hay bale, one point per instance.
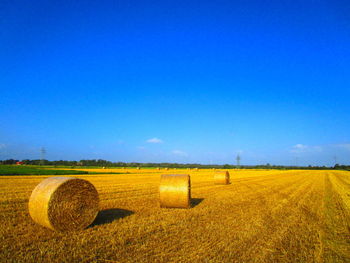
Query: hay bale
point(64, 203)
point(137, 168)
point(166, 169)
point(175, 191)
point(221, 177)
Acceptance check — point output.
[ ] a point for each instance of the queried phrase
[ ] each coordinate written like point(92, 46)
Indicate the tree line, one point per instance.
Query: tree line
point(105, 163)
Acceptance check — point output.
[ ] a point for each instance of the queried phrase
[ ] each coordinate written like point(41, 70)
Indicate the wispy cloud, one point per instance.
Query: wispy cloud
point(302, 148)
point(154, 140)
point(179, 153)
point(299, 148)
point(345, 146)
point(2, 146)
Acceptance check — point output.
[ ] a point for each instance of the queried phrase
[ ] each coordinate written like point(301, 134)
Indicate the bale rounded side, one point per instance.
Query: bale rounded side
point(222, 177)
point(175, 191)
point(64, 203)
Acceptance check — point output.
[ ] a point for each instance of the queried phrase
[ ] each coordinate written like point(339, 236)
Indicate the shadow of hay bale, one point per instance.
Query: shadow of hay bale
point(196, 201)
point(109, 215)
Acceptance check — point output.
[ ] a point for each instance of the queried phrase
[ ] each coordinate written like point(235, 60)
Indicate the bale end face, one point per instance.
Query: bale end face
point(175, 191)
point(64, 203)
point(222, 177)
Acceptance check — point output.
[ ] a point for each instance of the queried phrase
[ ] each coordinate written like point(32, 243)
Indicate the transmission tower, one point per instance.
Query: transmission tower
point(42, 155)
point(335, 160)
point(238, 159)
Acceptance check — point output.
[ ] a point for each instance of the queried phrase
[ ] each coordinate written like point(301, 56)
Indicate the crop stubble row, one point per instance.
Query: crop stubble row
point(268, 216)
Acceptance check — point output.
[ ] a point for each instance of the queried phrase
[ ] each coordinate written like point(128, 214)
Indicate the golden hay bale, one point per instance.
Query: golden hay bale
point(221, 177)
point(166, 169)
point(175, 191)
point(138, 168)
point(64, 203)
point(158, 168)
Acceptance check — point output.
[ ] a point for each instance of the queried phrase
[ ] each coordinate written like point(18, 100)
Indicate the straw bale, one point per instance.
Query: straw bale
point(64, 203)
point(175, 191)
point(222, 177)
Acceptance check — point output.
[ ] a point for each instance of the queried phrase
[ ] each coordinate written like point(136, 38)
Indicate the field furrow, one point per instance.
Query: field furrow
point(262, 216)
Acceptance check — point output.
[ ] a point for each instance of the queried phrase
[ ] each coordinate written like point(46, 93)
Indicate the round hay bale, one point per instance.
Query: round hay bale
point(137, 168)
point(175, 191)
point(64, 203)
point(221, 177)
point(166, 169)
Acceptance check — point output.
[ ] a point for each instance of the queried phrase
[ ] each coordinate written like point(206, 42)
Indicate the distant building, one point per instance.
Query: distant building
point(19, 163)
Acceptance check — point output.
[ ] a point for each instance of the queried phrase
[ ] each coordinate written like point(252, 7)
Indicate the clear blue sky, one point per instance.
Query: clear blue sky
point(176, 81)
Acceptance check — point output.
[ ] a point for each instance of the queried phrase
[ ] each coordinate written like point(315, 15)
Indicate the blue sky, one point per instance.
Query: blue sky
point(163, 81)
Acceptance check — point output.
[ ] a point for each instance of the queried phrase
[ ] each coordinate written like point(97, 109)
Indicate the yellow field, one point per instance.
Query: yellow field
point(263, 216)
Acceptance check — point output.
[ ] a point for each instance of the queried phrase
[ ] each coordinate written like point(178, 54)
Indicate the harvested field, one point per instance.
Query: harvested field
point(262, 216)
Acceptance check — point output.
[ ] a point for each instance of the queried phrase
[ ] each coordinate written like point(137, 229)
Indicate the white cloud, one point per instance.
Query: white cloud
point(302, 148)
point(179, 153)
point(154, 140)
point(298, 148)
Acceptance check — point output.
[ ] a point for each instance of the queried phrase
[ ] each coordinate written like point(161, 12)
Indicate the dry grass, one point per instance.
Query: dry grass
point(262, 216)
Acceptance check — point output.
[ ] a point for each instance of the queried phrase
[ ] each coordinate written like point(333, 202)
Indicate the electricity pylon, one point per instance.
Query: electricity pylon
point(238, 159)
point(42, 155)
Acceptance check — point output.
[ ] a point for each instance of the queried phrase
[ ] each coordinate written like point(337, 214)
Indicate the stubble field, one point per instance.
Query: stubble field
point(262, 216)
